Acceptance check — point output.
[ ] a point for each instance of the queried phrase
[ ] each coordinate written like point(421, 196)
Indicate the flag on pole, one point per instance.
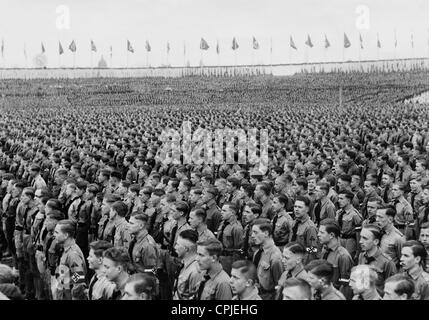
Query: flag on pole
point(292, 44)
point(234, 44)
point(378, 42)
point(93, 47)
point(361, 41)
point(308, 42)
point(2, 48)
point(43, 48)
point(72, 46)
point(255, 44)
point(148, 47)
point(271, 45)
point(412, 41)
point(130, 47)
point(168, 47)
point(25, 51)
point(347, 43)
point(204, 45)
point(327, 44)
point(217, 47)
point(60, 48)
point(396, 40)
point(111, 52)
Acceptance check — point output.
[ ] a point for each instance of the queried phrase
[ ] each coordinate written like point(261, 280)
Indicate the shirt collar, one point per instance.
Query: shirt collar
point(298, 269)
point(251, 296)
point(416, 273)
point(187, 261)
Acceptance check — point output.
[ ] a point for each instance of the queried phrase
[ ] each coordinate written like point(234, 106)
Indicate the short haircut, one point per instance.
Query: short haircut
point(255, 208)
point(418, 251)
point(302, 182)
point(404, 284)
point(182, 207)
point(349, 195)
point(300, 283)
point(424, 226)
point(29, 192)
point(264, 187)
point(390, 210)
point(375, 230)
point(283, 199)
point(68, 226)
point(141, 217)
point(296, 248)
point(247, 269)
point(324, 186)
point(120, 208)
point(213, 246)
point(98, 247)
point(264, 225)
point(306, 200)
point(119, 255)
point(144, 283)
point(158, 192)
point(321, 269)
point(200, 213)
point(116, 174)
point(232, 206)
point(190, 235)
point(331, 226)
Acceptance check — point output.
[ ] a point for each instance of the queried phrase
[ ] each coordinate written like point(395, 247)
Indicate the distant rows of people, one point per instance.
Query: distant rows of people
point(91, 210)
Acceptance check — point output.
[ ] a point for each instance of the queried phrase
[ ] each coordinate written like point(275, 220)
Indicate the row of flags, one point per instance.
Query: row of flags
point(205, 46)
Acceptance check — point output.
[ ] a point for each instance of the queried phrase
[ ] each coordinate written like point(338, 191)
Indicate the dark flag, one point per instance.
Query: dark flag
point(327, 44)
point(292, 44)
point(72, 46)
point(255, 44)
point(43, 48)
point(204, 45)
point(148, 47)
point(347, 43)
point(60, 48)
point(130, 47)
point(93, 47)
point(308, 42)
point(234, 44)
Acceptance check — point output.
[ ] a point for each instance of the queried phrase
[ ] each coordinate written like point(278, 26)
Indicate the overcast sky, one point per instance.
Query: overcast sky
point(111, 22)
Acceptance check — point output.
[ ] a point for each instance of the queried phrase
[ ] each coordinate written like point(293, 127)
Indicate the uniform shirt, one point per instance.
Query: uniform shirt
point(232, 235)
point(71, 271)
point(144, 253)
point(406, 175)
point(38, 183)
point(383, 265)
point(421, 283)
point(205, 234)
point(131, 175)
point(332, 294)
point(122, 237)
point(342, 262)
point(217, 286)
point(417, 202)
point(108, 231)
point(421, 219)
point(73, 211)
point(327, 209)
point(350, 221)
point(187, 283)
point(404, 212)
point(282, 229)
point(299, 272)
point(267, 210)
point(214, 217)
point(100, 288)
point(391, 244)
point(307, 236)
point(182, 227)
point(270, 268)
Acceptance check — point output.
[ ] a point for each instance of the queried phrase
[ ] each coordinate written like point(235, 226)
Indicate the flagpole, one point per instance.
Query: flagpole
point(271, 56)
point(74, 59)
point(91, 59)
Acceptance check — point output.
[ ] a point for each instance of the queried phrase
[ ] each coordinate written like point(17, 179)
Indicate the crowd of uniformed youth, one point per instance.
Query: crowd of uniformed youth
point(341, 212)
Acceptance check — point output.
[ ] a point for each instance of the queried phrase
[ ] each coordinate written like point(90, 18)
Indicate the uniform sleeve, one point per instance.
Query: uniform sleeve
point(329, 212)
point(77, 268)
point(149, 256)
point(224, 291)
point(390, 269)
point(311, 237)
point(398, 247)
point(345, 265)
point(195, 279)
point(237, 235)
point(277, 270)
